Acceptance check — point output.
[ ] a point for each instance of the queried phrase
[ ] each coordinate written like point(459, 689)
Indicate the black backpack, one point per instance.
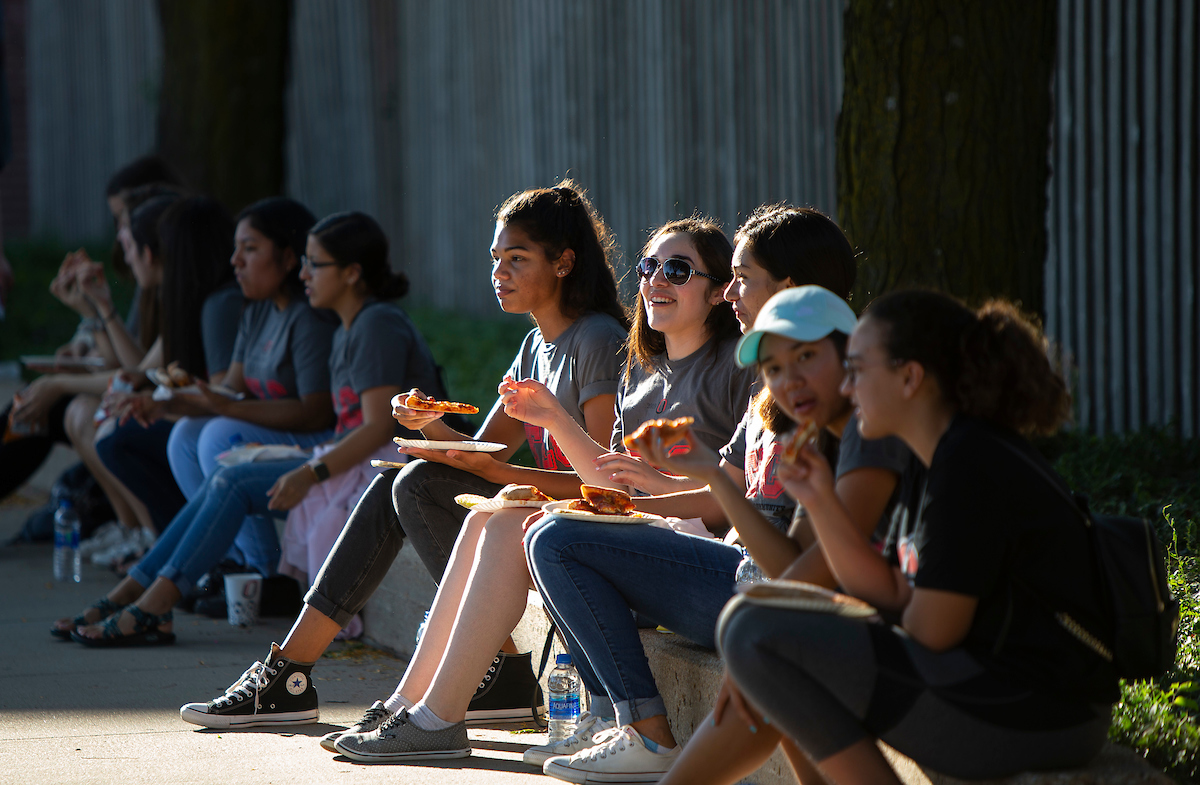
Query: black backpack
point(1144, 614)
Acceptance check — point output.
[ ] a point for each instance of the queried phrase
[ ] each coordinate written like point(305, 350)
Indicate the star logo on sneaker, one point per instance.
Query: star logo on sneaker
point(297, 683)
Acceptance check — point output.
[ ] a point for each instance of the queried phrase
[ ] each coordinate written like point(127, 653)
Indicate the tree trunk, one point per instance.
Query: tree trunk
point(221, 112)
point(943, 145)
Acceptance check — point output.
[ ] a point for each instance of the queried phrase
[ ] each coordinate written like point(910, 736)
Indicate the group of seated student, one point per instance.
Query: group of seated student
point(918, 495)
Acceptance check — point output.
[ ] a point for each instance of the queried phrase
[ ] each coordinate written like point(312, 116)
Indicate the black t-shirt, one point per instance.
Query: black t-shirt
point(987, 524)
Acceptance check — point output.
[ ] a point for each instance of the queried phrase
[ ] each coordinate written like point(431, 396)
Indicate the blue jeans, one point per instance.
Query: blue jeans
point(196, 442)
point(208, 524)
point(135, 455)
point(591, 575)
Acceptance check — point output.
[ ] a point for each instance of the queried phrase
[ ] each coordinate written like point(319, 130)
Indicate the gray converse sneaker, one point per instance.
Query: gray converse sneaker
point(373, 718)
point(397, 739)
point(587, 734)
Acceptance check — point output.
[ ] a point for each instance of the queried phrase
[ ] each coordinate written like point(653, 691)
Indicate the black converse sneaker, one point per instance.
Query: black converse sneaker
point(509, 691)
point(275, 692)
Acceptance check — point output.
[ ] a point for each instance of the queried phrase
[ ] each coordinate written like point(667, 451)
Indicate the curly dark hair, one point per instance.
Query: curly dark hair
point(645, 344)
point(559, 218)
point(991, 363)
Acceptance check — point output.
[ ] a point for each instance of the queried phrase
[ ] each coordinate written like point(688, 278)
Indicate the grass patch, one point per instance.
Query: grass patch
point(1152, 474)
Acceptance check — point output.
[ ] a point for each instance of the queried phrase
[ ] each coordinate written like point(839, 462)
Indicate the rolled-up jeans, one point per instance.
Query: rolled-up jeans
point(207, 525)
point(417, 503)
point(592, 575)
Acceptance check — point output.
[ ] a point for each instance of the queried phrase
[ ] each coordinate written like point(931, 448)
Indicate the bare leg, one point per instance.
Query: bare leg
point(860, 762)
point(494, 598)
point(81, 429)
point(310, 636)
point(657, 729)
point(419, 674)
point(805, 770)
point(723, 754)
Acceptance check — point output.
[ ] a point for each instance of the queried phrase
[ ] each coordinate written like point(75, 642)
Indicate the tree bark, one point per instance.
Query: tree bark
point(221, 108)
point(943, 145)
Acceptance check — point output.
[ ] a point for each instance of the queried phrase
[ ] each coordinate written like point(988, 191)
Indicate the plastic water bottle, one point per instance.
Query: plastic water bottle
point(564, 698)
point(421, 627)
point(66, 543)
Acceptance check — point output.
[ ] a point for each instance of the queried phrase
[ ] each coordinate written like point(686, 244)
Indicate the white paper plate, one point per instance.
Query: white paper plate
point(425, 444)
point(66, 363)
point(164, 393)
point(800, 596)
point(477, 503)
point(560, 509)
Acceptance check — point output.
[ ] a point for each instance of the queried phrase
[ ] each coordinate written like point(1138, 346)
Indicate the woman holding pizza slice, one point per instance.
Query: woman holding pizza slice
point(376, 353)
point(550, 259)
point(680, 363)
point(993, 667)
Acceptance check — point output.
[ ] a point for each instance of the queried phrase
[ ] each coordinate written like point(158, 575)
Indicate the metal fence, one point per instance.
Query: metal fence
point(1124, 257)
point(431, 114)
point(93, 69)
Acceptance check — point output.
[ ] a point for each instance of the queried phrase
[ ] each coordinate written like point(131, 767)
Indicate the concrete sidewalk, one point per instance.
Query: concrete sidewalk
point(75, 715)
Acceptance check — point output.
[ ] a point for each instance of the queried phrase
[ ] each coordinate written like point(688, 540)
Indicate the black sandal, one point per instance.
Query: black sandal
point(106, 607)
point(145, 631)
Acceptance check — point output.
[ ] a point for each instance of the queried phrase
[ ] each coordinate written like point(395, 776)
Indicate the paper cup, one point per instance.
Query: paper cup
point(242, 592)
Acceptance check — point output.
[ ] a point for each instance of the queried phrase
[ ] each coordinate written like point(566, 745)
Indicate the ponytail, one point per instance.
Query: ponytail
point(991, 363)
point(356, 238)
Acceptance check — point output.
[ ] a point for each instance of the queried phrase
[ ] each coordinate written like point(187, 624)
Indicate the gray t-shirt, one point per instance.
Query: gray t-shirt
point(382, 348)
point(734, 453)
point(706, 385)
point(582, 363)
point(284, 354)
point(219, 318)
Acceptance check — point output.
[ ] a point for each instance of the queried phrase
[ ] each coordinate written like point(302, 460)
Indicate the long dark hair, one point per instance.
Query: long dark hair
point(285, 222)
point(143, 225)
point(559, 218)
point(356, 238)
point(801, 243)
point(991, 363)
point(196, 238)
point(646, 345)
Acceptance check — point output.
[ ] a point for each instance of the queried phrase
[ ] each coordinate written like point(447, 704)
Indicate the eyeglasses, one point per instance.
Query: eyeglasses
point(676, 271)
point(310, 265)
point(855, 368)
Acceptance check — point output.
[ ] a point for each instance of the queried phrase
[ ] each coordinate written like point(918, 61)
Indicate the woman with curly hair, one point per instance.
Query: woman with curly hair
point(979, 679)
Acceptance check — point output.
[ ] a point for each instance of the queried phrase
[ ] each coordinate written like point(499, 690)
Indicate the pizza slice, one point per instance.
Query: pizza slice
point(607, 501)
point(671, 431)
point(795, 441)
point(434, 405)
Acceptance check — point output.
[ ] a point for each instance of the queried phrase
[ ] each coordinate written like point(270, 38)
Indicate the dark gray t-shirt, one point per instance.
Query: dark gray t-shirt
point(582, 363)
point(219, 318)
point(382, 348)
point(706, 385)
point(284, 354)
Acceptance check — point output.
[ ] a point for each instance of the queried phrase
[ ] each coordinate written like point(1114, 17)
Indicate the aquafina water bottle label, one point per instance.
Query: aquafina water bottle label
point(564, 706)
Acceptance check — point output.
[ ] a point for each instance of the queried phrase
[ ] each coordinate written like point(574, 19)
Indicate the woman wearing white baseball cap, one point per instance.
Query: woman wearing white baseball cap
point(682, 581)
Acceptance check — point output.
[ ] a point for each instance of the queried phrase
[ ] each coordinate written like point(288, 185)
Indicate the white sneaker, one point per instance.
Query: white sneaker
point(105, 535)
point(587, 734)
point(133, 542)
point(621, 757)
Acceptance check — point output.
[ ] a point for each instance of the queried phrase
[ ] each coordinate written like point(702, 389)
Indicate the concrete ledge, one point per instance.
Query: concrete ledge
point(688, 678)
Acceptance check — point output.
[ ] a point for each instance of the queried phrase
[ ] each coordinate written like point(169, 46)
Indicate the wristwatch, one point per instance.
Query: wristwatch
point(319, 470)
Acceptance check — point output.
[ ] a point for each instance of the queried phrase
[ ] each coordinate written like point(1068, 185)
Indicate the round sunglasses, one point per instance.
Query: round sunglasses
point(676, 271)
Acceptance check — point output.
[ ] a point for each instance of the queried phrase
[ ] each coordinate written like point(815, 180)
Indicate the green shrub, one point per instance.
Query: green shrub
point(1152, 474)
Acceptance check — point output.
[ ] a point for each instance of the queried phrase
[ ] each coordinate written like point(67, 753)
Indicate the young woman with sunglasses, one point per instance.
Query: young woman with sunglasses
point(680, 349)
point(376, 353)
point(979, 680)
point(550, 259)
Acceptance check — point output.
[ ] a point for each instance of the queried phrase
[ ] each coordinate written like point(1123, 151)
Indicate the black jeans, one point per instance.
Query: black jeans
point(137, 457)
point(20, 458)
point(416, 502)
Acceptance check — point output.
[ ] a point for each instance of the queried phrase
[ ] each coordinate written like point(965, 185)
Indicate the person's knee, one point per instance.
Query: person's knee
point(407, 484)
point(79, 419)
point(741, 639)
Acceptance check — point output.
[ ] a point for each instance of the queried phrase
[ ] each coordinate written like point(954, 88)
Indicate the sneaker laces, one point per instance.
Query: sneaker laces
point(612, 741)
point(586, 731)
point(373, 714)
point(399, 718)
point(249, 683)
